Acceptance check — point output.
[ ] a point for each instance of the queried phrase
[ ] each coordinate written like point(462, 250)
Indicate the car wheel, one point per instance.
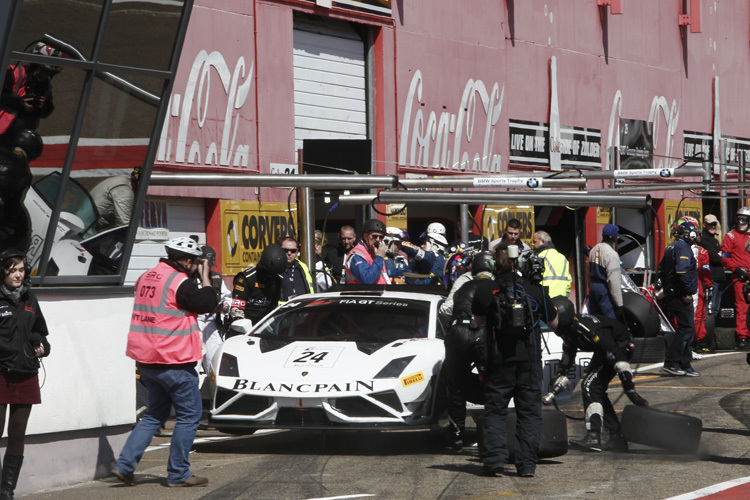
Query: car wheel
point(640, 315)
point(661, 429)
point(648, 350)
point(554, 440)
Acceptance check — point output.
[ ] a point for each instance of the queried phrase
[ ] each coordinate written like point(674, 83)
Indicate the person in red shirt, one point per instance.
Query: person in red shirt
point(736, 258)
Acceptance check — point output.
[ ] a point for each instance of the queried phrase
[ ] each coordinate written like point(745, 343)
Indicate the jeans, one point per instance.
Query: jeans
point(176, 387)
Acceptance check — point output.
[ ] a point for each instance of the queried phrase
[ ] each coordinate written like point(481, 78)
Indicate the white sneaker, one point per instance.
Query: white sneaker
point(697, 356)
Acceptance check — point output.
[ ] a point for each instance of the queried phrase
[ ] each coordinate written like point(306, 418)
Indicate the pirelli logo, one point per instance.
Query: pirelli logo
point(412, 379)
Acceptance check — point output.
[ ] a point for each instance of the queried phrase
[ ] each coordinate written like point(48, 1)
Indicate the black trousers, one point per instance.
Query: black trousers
point(520, 380)
point(464, 349)
point(678, 351)
point(594, 390)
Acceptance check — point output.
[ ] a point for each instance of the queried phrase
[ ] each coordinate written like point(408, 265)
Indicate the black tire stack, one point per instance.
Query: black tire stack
point(645, 324)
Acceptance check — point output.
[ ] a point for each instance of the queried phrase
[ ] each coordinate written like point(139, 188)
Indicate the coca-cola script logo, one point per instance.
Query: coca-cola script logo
point(427, 142)
point(195, 115)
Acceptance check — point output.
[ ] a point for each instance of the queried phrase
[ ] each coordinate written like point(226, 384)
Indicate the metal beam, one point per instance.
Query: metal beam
point(526, 182)
point(318, 181)
point(550, 198)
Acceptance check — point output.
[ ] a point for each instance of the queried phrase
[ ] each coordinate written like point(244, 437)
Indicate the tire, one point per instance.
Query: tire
point(554, 440)
point(648, 350)
point(640, 315)
point(661, 429)
point(725, 339)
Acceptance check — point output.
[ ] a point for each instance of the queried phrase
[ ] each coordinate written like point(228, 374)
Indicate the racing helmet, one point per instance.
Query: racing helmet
point(437, 240)
point(565, 314)
point(743, 218)
point(181, 247)
point(273, 259)
point(435, 228)
point(686, 228)
point(30, 142)
point(373, 226)
point(483, 262)
point(43, 49)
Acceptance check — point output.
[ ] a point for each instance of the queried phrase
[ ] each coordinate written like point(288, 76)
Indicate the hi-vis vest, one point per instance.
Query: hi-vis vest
point(160, 332)
point(8, 115)
point(556, 275)
point(361, 250)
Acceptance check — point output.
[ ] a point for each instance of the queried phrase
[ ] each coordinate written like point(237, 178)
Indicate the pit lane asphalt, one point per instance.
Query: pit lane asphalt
point(409, 465)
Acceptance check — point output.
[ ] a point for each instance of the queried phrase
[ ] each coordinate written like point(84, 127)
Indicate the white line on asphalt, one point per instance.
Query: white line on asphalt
point(710, 490)
point(345, 496)
point(704, 356)
point(209, 439)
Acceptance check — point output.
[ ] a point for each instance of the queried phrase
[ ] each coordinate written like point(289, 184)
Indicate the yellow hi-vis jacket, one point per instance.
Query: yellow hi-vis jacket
point(556, 273)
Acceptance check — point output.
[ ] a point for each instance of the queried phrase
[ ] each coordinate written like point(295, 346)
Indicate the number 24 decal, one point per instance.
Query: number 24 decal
point(311, 356)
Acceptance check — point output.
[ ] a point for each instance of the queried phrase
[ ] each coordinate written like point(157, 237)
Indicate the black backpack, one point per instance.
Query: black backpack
point(511, 313)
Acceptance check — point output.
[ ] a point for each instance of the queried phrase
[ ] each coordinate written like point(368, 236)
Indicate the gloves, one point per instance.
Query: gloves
point(636, 398)
point(561, 383)
point(626, 378)
point(742, 273)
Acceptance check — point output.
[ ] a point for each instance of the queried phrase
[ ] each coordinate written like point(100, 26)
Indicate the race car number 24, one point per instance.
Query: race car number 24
point(312, 357)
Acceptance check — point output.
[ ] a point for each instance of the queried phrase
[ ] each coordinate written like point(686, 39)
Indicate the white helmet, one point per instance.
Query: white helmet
point(187, 246)
point(743, 218)
point(436, 228)
point(436, 243)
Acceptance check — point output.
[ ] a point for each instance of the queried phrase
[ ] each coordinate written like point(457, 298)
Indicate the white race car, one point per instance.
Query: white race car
point(349, 359)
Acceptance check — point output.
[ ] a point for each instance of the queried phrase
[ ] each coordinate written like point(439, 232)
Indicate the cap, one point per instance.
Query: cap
point(610, 230)
point(710, 218)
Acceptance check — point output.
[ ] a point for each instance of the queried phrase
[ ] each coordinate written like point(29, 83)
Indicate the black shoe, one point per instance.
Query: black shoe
point(526, 473)
point(743, 343)
point(592, 442)
point(673, 370)
point(690, 372)
point(128, 479)
point(492, 470)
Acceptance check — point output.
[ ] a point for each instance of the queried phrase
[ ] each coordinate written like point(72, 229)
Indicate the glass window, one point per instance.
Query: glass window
point(134, 38)
point(349, 319)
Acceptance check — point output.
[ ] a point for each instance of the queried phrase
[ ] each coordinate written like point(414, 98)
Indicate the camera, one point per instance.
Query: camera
point(533, 268)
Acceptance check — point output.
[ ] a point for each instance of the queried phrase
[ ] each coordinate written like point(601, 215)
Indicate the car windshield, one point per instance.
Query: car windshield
point(349, 319)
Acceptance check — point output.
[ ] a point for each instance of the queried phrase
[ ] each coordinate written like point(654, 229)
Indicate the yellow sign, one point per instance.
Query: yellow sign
point(412, 379)
point(674, 209)
point(247, 228)
point(396, 215)
point(603, 215)
point(495, 217)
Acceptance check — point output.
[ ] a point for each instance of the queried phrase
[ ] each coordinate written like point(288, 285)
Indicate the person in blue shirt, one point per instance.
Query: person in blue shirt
point(678, 272)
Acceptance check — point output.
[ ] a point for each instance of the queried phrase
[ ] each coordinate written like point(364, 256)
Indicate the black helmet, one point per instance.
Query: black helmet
point(483, 263)
point(30, 142)
point(565, 313)
point(374, 226)
point(273, 259)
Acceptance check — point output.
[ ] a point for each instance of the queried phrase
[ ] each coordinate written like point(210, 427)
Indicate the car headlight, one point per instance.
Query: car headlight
point(229, 366)
point(395, 367)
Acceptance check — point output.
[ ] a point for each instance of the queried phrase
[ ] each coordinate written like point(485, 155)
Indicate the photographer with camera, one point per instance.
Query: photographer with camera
point(365, 262)
point(165, 342)
point(512, 307)
point(23, 340)
point(27, 95)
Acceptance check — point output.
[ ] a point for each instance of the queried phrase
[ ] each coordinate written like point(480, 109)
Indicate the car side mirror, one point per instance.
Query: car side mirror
point(242, 326)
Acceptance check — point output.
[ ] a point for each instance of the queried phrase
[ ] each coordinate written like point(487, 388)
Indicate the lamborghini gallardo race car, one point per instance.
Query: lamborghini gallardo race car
point(350, 359)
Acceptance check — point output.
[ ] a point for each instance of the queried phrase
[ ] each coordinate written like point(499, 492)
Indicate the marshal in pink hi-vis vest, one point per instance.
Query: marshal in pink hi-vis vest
point(160, 332)
point(361, 250)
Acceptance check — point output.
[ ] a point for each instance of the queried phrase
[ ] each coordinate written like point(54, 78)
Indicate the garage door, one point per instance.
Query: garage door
point(329, 81)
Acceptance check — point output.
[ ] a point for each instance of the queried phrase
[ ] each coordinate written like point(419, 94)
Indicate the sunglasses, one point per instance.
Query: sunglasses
point(711, 223)
point(290, 250)
point(377, 236)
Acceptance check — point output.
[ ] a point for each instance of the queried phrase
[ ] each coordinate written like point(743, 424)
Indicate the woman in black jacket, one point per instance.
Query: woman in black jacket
point(23, 340)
